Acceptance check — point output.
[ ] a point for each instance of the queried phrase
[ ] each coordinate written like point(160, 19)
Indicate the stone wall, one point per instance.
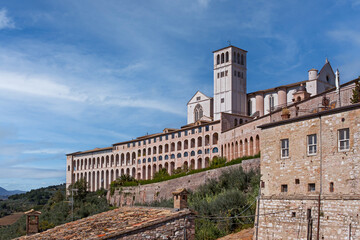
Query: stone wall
point(288, 218)
point(176, 229)
point(334, 174)
point(163, 190)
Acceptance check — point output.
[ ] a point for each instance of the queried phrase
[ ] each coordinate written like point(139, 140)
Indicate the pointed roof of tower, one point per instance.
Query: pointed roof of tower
point(229, 47)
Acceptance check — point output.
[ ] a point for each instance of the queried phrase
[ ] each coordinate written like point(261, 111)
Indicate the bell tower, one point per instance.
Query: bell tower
point(229, 81)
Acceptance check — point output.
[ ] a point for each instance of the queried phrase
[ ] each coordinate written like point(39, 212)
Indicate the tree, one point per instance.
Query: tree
point(81, 186)
point(356, 93)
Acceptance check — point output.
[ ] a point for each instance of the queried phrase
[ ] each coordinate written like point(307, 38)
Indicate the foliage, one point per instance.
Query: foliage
point(57, 210)
point(220, 202)
point(217, 161)
point(79, 189)
point(124, 181)
point(161, 174)
point(356, 93)
point(166, 203)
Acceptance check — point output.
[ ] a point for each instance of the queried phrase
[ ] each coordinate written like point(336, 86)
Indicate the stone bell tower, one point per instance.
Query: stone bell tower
point(229, 81)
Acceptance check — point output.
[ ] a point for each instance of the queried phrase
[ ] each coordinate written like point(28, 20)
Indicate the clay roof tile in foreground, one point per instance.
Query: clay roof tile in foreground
point(110, 224)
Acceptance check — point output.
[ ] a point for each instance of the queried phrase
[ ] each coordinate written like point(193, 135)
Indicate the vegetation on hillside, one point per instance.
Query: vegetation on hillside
point(54, 206)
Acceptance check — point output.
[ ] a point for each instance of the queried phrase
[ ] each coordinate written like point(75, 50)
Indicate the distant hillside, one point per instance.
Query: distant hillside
point(5, 193)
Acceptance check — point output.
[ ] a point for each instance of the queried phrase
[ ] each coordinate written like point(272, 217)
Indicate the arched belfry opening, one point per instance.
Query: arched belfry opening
point(198, 112)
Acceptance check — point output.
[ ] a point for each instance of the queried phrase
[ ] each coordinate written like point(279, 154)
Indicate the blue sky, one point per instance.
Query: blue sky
point(75, 75)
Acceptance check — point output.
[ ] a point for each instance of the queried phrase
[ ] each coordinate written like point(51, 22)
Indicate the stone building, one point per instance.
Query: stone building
point(127, 223)
point(310, 168)
point(225, 125)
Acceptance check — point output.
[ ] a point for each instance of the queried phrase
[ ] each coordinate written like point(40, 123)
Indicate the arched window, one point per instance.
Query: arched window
point(179, 155)
point(172, 156)
point(238, 58)
point(222, 58)
point(234, 57)
point(271, 103)
point(242, 59)
point(192, 153)
point(144, 160)
point(160, 158)
point(166, 157)
point(186, 154)
point(235, 122)
point(154, 159)
point(227, 57)
point(199, 152)
point(215, 150)
point(218, 59)
point(198, 112)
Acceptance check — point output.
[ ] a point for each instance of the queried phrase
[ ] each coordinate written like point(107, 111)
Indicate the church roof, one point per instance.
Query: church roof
point(228, 47)
point(198, 91)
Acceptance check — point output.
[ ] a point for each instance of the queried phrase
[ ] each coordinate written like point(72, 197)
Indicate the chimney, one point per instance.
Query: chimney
point(32, 221)
point(180, 198)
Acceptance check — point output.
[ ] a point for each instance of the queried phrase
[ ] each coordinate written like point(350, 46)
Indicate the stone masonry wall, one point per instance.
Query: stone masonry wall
point(163, 190)
point(287, 219)
point(174, 229)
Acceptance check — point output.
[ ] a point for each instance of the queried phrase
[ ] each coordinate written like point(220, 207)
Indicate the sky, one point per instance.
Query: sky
point(76, 75)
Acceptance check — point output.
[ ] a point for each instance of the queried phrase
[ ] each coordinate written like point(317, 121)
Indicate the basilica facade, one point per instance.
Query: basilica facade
point(225, 125)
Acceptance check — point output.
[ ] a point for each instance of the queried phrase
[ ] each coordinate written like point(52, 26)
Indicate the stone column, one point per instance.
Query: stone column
point(260, 103)
point(282, 99)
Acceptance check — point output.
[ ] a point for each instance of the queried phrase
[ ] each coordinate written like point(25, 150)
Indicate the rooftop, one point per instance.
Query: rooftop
point(110, 224)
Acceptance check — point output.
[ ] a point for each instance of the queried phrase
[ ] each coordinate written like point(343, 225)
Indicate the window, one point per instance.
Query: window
point(198, 112)
point(312, 144)
point(218, 59)
point(234, 57)
point(227, 57)
point(234, 73)
point(293, 214)
point(154, 140)
point(172, 156)
point(186, 154)
point(215, 150)
point(160, 158)
point(128, 145)
point(284, 148)
point(199, 152)
point(133, 144)
point(226, 73)
point(144, 142)
point(139, 143)
point(222, 58)
point(284, 188)
point(198, 98)
point(160, 138)
point(144, 160)
point(331, 187)
point(206, 128)
point(192, 153)
point(172, 135)
point(179, 134)
point(193, 131)
point(166, 137)
point(242, 59)
point(311, 187)
point(149, 140)
point(154, 159)
point(185, 132)
point(166, 157)
point(239, 74)
point(207, 151)
point(222, 100)
point(344, 143)
point(262, 184)
point(218, 75)
point(200, 129)
point(222, 74)
point(149, 159)
point(178, 155)
point(297, 181)
point(139, 161)
point(271, 103)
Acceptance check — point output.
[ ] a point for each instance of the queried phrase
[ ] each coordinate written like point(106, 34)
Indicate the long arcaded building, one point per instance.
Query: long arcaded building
point(225, 125)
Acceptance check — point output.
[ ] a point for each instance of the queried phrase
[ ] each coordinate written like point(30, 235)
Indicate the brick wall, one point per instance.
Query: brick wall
point(163, 190)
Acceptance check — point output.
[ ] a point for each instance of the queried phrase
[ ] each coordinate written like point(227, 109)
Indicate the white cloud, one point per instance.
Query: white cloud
point(46, 151)
point(5, 21)
point(204, 3)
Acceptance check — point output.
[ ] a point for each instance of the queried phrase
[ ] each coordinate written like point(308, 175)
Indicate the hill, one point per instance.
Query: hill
point(4, 194)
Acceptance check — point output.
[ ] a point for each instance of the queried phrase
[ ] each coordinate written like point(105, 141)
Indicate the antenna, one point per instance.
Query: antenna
point(229, 42)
